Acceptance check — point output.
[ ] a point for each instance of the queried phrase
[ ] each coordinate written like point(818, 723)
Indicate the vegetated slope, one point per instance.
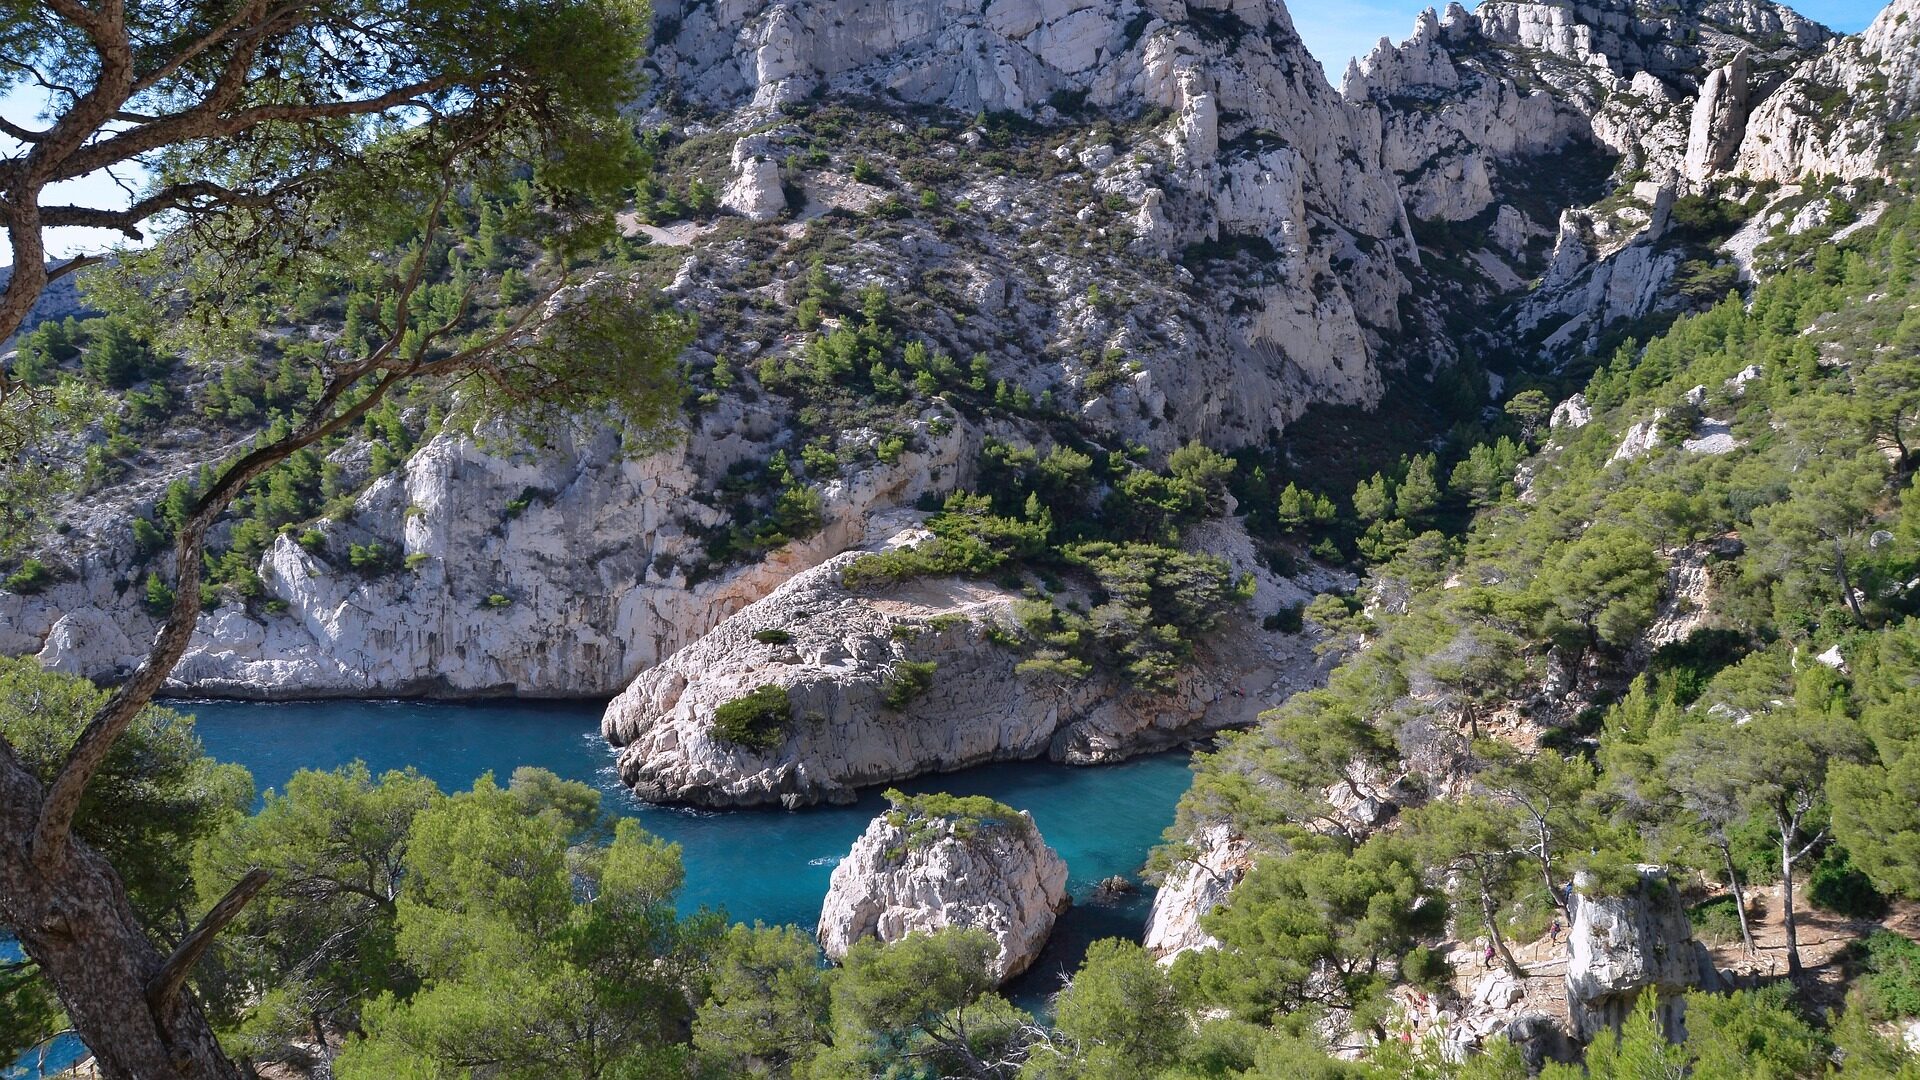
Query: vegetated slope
point(1684, 635)
point(1158, 224)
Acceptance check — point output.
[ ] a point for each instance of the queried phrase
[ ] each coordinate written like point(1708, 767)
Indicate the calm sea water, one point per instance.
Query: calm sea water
point(765, 865)
point(770, 866)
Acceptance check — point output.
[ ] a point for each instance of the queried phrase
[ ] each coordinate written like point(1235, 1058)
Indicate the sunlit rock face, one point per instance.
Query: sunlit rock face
point(909, 875)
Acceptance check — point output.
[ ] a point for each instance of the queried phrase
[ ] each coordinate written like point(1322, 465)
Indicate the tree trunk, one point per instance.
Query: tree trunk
point(1846, 581)
point(1739, 898)
point(1491, 916)
point(73, 919)
point(1786, 900)
point(1545, 836)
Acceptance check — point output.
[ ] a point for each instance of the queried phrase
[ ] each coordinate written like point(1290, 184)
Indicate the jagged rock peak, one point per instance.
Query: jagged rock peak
point(936, 861)
point(1838, 115)
point(1624, 37)
point(1013, 55)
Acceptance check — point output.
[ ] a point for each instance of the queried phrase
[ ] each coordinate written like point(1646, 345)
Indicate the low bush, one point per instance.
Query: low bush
point(758, 721)
point(1715, 921)
point(32, 577)
point(772, 637)
point(1892, 965)
point(909, 680)
point(1838, 886)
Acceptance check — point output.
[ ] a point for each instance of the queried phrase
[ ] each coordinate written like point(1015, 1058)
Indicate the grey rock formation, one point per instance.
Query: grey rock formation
point(589, 569)
point(1833, 115)
point(912, 872)
point(1220, 860)
point(1621, 947)
point(836, 652)
point(1541, 1039)
point(1719, 119)
point(754, 191)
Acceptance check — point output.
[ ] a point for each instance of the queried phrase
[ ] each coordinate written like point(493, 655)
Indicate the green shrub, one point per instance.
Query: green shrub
point(499, 600)
point(772, 637)
point(417, 560)
point(32, 577)
point(1288, 620)
point(313, 540)
point(147, 537)
point(908, 680)
point(1838, 886)
point(1426, 968)
point(1892, 964)
point(758, 721)
point(1715, 921)
point(372, 558)
point(963, 815)
point(159, 598)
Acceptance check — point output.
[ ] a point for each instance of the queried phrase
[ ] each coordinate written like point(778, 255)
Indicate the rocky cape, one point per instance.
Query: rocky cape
point(836, 651)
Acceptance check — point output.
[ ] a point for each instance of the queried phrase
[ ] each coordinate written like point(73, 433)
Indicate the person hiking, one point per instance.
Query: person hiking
point(1486, 961)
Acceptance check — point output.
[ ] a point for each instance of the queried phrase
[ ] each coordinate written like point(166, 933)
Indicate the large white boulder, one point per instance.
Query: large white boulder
point(934, 862)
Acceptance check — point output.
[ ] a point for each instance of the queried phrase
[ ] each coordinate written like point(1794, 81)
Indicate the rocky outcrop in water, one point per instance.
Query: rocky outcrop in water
point(934, 862)
point(1623, 946)
point(891, 682)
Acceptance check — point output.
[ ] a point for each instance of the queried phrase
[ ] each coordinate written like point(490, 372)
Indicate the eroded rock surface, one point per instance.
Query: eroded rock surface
point(1220, 860)
point(1621, 947)
point(916, 870)
point(839, 652)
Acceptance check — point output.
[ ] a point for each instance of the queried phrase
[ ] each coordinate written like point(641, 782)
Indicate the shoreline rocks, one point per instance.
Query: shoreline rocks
point(1221, 859)
point(933, 862)
point(917, 677)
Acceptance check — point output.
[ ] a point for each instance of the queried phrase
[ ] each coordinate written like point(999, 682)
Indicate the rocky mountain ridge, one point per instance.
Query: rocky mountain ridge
point(1157, 217)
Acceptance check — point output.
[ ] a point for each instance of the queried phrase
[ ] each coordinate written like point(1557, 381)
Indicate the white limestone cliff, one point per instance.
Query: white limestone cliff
point(1194, 888)
point(1837, 114)
point(915, 871)
point(584, 546)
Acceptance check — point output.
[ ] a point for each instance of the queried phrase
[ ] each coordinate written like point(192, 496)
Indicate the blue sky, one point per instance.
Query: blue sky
point(1336, 31)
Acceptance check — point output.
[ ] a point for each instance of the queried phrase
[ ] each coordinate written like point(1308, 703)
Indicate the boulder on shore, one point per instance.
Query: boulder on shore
point(939, 861)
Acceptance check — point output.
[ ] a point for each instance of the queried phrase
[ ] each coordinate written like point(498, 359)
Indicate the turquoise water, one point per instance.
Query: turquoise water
point(771, 866)
point(50, 1059)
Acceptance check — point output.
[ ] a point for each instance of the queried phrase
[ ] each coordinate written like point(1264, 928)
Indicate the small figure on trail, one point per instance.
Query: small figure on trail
point(1553, 932)
point(1486, 961)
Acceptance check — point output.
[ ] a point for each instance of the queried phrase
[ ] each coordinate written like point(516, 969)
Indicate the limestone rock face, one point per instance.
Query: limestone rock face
point(1256, 145)
point(913, 873)
point(587, 569)
point(754, 192)
point(1508, 106)
point(1833, 114)
point(1619, 947)
point(837, 652)
point(1221, 859)
point(1719, 119)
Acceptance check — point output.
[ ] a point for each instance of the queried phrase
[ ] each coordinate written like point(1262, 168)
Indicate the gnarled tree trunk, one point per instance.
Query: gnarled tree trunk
point(74, 920)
